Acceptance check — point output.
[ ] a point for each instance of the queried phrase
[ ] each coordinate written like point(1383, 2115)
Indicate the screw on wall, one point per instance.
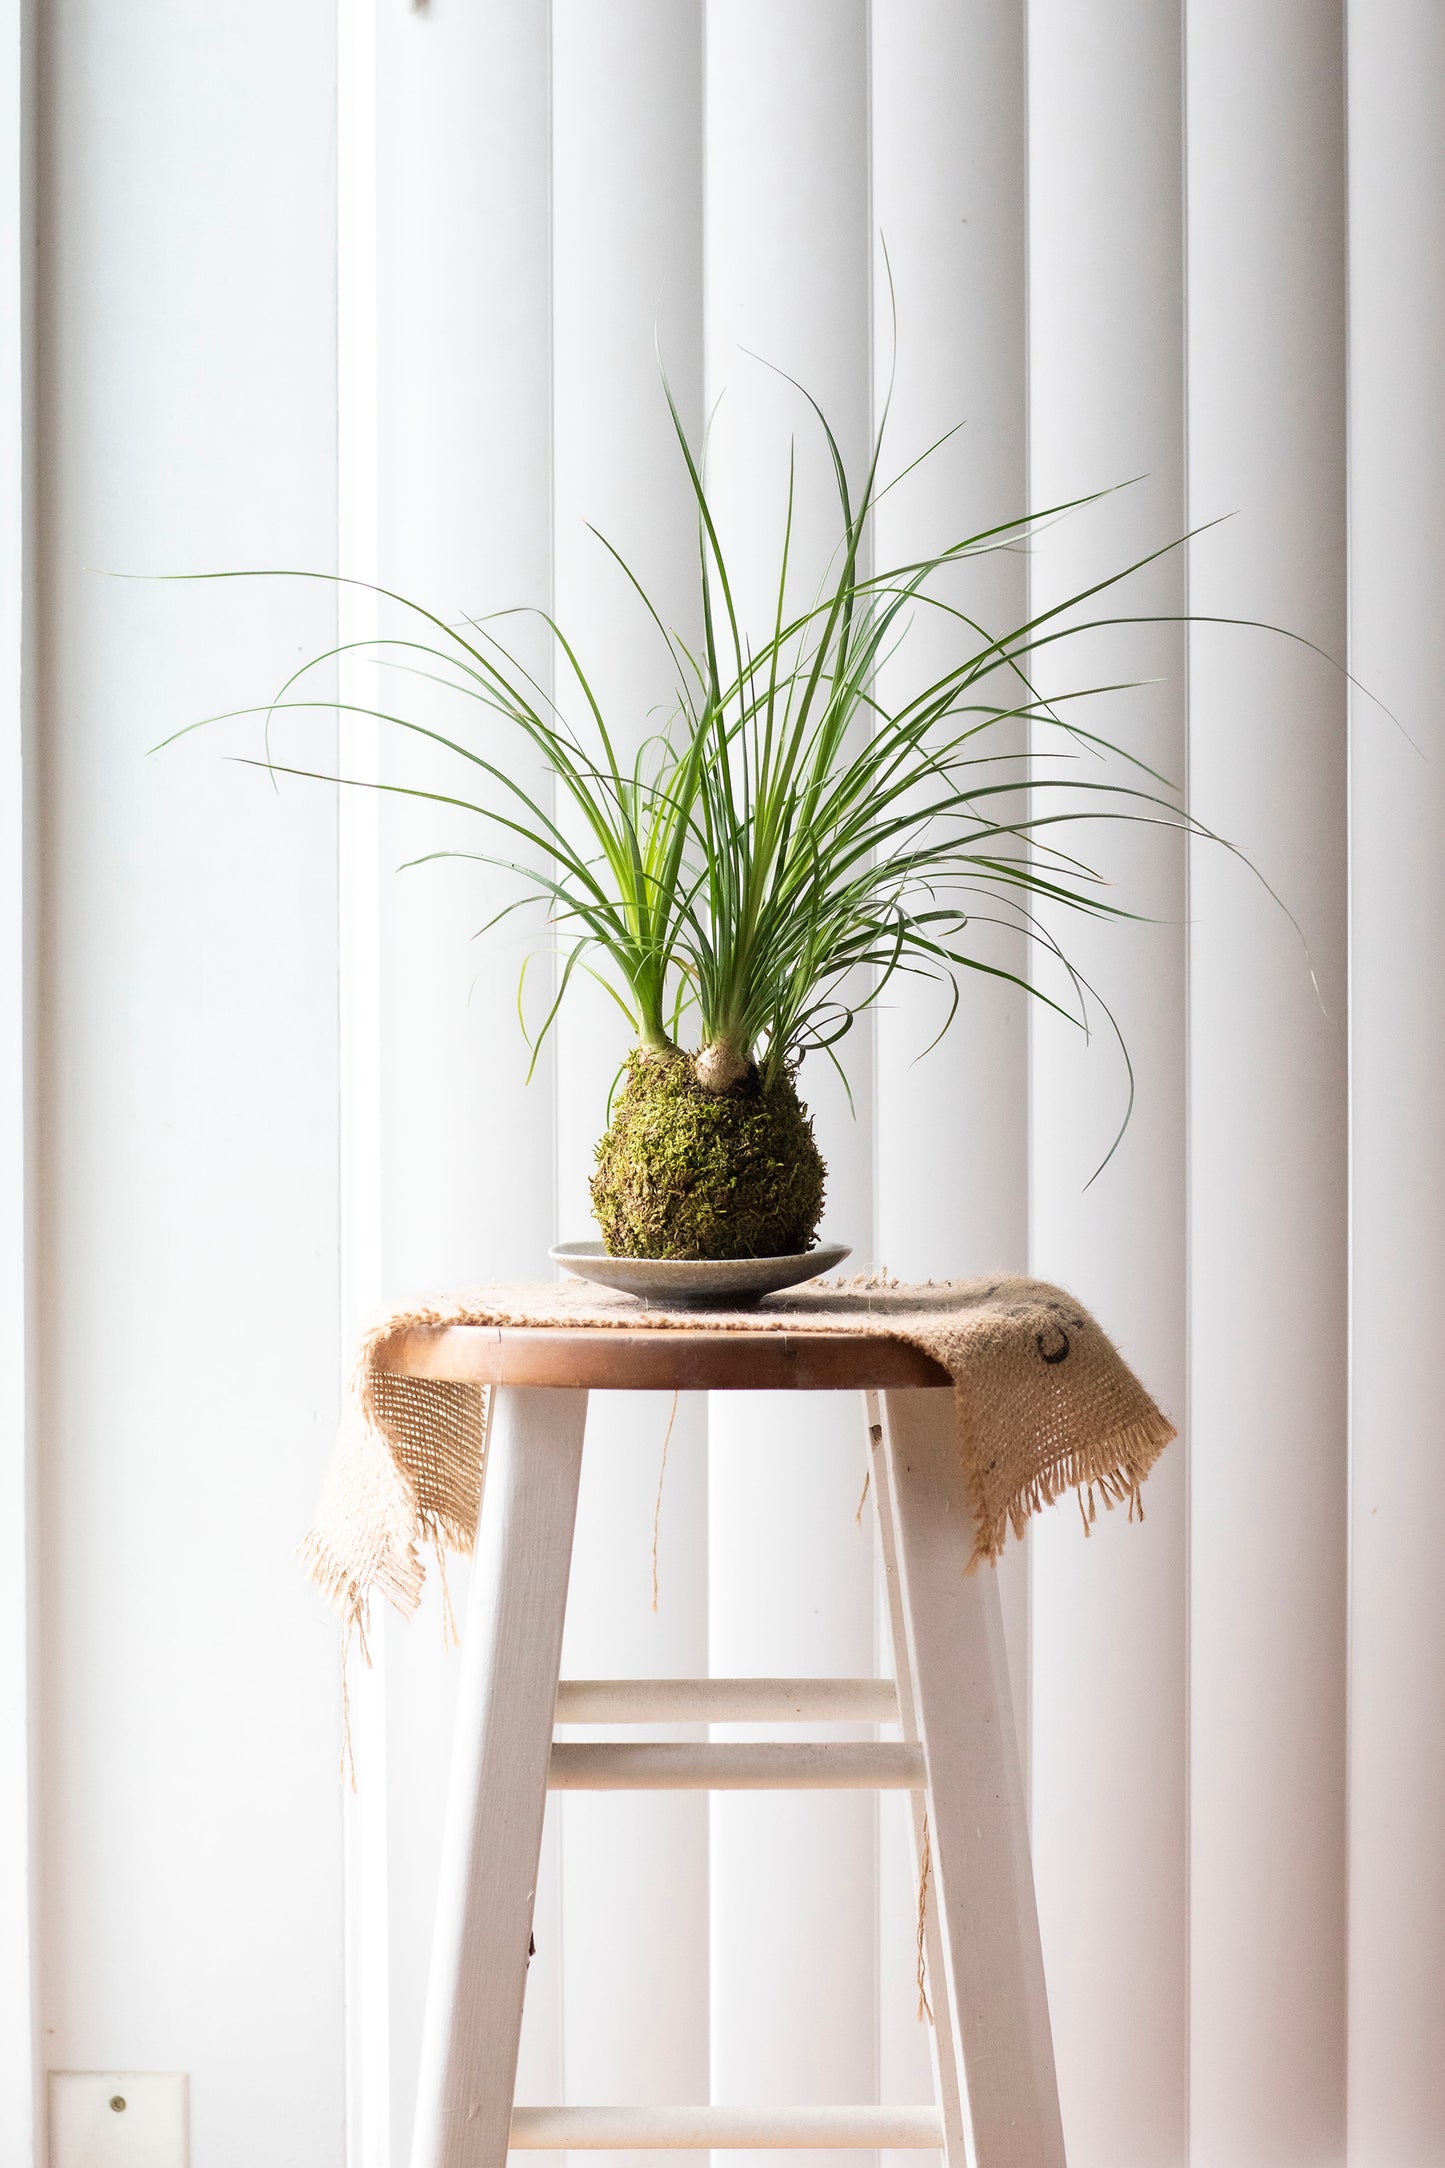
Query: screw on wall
point(117, 2119)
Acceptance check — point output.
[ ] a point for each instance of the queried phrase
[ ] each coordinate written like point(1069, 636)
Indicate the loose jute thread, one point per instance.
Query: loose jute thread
point(657, 1509)
point(451, 1637)
point(925, 1861)
point(353, 1635)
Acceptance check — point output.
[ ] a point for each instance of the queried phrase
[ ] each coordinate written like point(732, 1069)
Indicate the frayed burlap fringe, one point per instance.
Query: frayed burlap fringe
point(1045, 1404)
point(407, 1470)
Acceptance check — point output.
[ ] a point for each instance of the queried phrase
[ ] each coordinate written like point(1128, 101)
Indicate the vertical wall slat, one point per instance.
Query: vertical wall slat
point(464, 478)
point(786, 263)
point(20, 2121)
point(786, 269)
point(951, 1131)
point(464, 1168)
point(365, 1833)
point(627, 289)
point(189, 1150)
point(1397, 863)
point(948, 204)
point(1265, 192)
point(1106, 388)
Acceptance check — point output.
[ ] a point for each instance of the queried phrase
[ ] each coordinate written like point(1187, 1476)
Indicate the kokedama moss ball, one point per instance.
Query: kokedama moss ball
point(686, 1172)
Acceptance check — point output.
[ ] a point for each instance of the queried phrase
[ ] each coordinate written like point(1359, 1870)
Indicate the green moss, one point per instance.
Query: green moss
point(685, 1172)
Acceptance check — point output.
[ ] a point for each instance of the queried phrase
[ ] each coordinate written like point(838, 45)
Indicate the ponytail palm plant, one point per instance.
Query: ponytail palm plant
point(750, 878)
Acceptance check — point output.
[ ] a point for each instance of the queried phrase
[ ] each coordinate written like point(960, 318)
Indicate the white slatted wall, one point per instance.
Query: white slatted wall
point(1106, 405)
point(1127, 241)
point(183, 1063)
point(1396, 1678)
point(1267, 1152)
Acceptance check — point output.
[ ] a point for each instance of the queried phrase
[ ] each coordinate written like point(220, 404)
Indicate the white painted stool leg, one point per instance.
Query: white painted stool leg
point(982, 1879)
point(943, 2033)
point(498, 1789)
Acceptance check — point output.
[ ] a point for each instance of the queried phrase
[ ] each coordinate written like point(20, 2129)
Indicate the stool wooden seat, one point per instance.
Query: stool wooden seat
point(639, 1359)
point(997, 2099)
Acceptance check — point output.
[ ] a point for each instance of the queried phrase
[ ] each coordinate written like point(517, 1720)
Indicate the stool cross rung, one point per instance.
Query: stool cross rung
point(809, 1766)
point(727, 1701)
point(559, 2129)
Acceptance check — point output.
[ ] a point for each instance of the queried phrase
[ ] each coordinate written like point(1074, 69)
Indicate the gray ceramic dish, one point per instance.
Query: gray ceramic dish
point(697, 1283)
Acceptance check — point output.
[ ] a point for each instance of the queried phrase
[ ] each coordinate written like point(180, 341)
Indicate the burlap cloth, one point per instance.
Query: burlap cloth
point(1045, 1403)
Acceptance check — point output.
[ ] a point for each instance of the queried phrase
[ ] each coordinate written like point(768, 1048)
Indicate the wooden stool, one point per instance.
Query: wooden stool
point(993, 2051)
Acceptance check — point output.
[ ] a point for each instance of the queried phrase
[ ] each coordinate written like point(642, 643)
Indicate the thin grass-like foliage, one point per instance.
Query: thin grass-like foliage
point(762, 868)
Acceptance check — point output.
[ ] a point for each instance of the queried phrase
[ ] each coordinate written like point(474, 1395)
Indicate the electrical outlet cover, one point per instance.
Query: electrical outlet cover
point(118, 2119)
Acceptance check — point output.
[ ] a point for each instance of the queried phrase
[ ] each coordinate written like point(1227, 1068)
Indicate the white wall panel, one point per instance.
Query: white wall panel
point(19, 1852)
point(1397, 866)
point(1106, 385)
point(356, 738)
point(627, 241)
point(1267, 1108)
point(786, 263)
point(786, 267)
point(948, 202)
point(464, 1150)
point(464, 468)
point(951, 1132)
point(627, 209)
point(192, 1886)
